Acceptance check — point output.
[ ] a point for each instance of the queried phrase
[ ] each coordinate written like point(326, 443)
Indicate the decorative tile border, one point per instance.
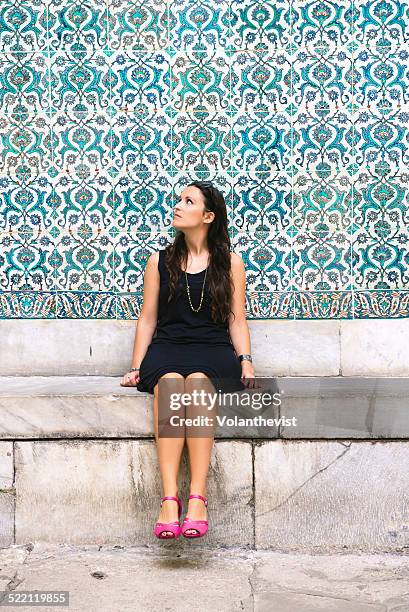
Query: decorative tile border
point(259, 305)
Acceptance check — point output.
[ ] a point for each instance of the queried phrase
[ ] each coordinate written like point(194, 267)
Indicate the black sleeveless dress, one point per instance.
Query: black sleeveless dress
point(186, 341)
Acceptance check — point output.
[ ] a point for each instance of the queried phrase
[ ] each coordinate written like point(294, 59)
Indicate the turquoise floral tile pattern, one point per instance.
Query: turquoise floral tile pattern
point(298, 111)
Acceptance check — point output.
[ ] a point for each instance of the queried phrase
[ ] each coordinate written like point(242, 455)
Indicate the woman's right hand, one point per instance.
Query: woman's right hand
point(130, 379)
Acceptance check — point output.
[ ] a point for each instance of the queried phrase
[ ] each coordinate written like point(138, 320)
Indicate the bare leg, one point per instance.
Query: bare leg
point(169, 454)
point(199, 447)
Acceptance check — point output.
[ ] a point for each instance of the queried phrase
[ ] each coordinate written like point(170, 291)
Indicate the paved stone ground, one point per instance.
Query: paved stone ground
point(165, 579)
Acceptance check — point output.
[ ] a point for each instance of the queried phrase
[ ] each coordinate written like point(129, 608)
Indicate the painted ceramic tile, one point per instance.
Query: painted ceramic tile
point(80, 81)
point(140, 25)
point(322, 261)
point(23, 25)
point(203, 24)
point(77, 25)
point(82, 260)
point(27, 261)
point(141, 203)
point(26, 144)
point(28, 206)
point(262, 203)
point(268, 260)
point(25, 83)
point(260, 24)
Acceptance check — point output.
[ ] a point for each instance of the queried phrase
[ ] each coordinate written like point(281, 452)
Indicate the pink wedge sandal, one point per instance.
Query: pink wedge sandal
point(165, 528)
point(200, 527)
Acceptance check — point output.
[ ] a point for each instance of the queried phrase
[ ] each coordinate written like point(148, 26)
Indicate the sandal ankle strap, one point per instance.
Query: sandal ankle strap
point(196, 496)
point(172, 498)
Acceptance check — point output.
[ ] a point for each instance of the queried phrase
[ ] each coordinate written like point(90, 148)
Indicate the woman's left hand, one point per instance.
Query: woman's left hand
point(247, 374)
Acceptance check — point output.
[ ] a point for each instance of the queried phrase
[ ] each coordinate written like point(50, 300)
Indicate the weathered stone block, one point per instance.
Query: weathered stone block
point(108, 492)
point(332, 496)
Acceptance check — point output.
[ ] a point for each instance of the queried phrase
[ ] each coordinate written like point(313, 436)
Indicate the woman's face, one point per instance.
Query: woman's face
point(189, 209)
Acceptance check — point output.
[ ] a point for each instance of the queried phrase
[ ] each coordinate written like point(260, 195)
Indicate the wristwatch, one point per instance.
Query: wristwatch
point(245, 358)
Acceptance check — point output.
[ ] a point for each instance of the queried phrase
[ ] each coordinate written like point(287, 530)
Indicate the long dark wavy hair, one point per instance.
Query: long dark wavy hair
point(218, 241)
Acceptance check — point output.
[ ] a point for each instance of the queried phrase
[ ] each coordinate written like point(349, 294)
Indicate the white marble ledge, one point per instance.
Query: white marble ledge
point(88, 385)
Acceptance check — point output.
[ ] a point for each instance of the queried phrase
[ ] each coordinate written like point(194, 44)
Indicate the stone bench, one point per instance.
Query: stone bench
point(78, 465)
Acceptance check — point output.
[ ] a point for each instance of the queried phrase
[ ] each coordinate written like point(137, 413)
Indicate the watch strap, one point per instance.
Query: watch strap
point(245, 358)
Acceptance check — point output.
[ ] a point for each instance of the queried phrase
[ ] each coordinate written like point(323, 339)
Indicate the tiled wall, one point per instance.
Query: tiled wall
point(298, 110)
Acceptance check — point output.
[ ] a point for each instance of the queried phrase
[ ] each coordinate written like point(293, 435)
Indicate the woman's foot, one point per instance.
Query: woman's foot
point(168, 513)
point(196, 511)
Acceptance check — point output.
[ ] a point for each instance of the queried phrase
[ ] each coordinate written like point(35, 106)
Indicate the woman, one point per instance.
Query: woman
point(194, 297)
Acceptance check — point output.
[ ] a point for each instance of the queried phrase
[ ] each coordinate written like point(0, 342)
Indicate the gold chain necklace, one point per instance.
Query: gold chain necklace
point(188, 293)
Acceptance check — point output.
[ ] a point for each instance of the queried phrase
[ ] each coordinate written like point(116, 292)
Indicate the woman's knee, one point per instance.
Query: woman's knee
point(196, 375)
point(198, 380)
point(174, 375)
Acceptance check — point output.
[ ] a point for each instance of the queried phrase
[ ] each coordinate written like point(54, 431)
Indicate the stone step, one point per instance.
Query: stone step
point(78, 465)
point(98, 407)
point(280, 347)
point(288, 495)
